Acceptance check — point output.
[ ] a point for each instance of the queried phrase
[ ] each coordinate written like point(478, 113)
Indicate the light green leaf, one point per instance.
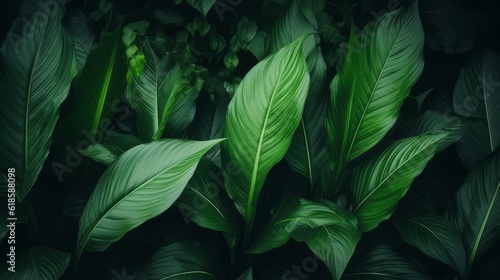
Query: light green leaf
point(111, 148)
point(206, 202)
point(144, 182)
point(37, 64)
point(431, 233)
point(261, 120)
point(380, 181)
point(383, 263)
point(328, 230)
point(433, 121)
point(181, 260)
point(38, 263)
point(307, 154)
point(475, 210)
point(477, 94)
point(97, 93)
point(203, 6)
point(382, 65)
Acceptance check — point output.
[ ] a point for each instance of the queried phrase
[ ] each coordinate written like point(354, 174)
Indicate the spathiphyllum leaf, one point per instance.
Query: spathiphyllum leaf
point(261, 120)
point(431, 233)
point(328, 230)
point(476, 209)
point(38, 263)
point(306, 154)
point(37, 64)
point(83, 36)
point(98, 90)
point(111, 148)
point(382, 65)
point(383, 263)
point(477, 94)
point(184, 260)
point(140, 185)
point(380, 181)
point(432, 121)
point(203, 6)
point(206, 202)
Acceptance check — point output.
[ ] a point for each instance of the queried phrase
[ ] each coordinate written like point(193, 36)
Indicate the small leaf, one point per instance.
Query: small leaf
point(111, 148)
point(144, 182)
point(203, 6)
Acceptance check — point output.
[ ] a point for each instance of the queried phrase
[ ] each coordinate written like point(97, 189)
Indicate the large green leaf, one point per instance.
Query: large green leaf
point(37, 64)
point(432, 121)
point(261, 120)
point(203, 6)
point(38, 263)
point(206, 202)
point(328, 230)
point(477, 95)
point(111, 148)
point(83, 36)
point(476, 208)
point(140, 185)
point(380, 181)
point(97, 92)
point(381, 263)
point(306, 154)
point(431, 233)
point(381, 67)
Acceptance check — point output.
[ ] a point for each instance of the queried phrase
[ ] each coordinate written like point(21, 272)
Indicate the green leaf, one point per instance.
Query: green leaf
point(169, 17)
point(475, 211)
point(380, 181)
point(144, 182)
point(203, 6)
point(477, 94)
point(38, 263)
point(366, 95)
point(261, 120)
point(431, 233)
point(111, 148)
point(206, 202)
point(183, 261)
point(381, 263)
point(98, 89)
point(83, 36)
point(307, 154)
point(434, 121)
point(37, 64)
point(328, 230)
point(247, 275)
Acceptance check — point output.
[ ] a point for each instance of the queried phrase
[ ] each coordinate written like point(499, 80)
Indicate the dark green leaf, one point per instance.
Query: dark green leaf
point(203, 6)
point(111, 148)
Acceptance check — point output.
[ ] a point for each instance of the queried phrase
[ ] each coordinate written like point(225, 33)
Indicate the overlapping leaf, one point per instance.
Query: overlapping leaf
point(140, 185)
point(261, 120)
point(111, 148)
point(476, 209)
point(83, 36)
point(328, 230)
point(379, 182)
point(366, 95)
point(37, 64)
point(477, 94)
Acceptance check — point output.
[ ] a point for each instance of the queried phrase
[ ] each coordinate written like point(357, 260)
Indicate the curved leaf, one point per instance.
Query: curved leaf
point(111, 148)
point(203, 6)
point(433, 121)
point(328, 230)
point(381, 263)
point(144, 182)
point(83, 36)
point(366, 95)
point(37, 64)
point(477, 94)
point(247, 275)
point(38, 263)
point(97, 91)
point(261, 120)
point(476, 208)
point(306, 154)
point(206, 202)
point(379, 182)
point(431, 233)
point(183, 261)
